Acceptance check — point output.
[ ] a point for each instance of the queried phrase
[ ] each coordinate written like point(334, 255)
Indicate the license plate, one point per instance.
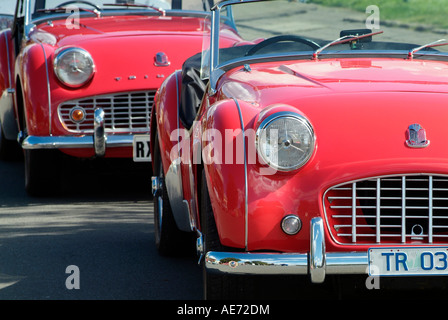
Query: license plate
point(406, 261)
point(141, 148)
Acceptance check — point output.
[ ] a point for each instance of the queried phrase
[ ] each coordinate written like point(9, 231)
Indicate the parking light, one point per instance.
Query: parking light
point(291, 224)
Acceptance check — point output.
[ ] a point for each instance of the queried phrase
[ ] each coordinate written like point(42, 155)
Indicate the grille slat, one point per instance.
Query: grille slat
point(389, 210)
point(124, 112)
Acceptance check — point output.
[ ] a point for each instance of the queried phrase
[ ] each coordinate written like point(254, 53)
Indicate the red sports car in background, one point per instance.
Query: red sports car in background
point(80, 77)
point(316, 147)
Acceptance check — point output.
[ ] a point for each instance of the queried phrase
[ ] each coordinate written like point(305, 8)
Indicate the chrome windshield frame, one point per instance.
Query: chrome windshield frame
point(214, 67)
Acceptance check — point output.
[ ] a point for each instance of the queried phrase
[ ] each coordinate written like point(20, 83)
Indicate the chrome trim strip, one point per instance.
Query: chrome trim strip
point(305, 55)
point(48, 90)
point(318, 263)
point(74, 142)
point(430, 209)
point(246, 190)
point(354, 212)
point(378, 210)
point(403, 209)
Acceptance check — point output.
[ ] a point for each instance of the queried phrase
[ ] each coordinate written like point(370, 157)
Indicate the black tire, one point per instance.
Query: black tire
point(217, 286)
point(170, 241)
point(42, 170)
point(9, 150)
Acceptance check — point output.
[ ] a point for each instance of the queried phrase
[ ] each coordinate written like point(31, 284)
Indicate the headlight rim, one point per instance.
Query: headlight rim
point(275, 116)
point(58, 55)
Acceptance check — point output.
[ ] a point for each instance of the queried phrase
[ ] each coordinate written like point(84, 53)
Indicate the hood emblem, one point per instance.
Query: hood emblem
point(161, 60)
point(416, 137)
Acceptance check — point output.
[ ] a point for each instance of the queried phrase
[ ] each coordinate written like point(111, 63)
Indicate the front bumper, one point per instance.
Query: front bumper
point(99, 140)
point(317, 263)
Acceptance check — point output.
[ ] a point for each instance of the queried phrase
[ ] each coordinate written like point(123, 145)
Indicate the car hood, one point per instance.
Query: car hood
point(65, 33)
point(265, 82)
point(361, 111)
point(124, 50)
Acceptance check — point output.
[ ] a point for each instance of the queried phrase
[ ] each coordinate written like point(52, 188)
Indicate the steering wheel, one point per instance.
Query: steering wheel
point(282, 38)
point(79, 1)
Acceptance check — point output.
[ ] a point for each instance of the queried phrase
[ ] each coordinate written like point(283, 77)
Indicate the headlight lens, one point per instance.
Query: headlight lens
point(285, 141)
point(74, 67)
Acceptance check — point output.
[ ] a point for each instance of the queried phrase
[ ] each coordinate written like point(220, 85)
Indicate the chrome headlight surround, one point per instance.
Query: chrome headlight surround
point(74, 67)
point(285, 141)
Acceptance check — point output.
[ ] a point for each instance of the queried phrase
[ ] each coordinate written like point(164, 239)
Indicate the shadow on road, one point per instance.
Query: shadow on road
point(101, 222)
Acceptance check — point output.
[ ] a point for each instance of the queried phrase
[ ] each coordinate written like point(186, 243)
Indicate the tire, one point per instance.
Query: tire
point(9, 150)
point(216, 286)
point(170, 241)
point(42, 170)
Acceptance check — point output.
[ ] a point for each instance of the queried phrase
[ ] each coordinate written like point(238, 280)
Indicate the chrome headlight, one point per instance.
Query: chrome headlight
point(285, 141)
point(74, 66)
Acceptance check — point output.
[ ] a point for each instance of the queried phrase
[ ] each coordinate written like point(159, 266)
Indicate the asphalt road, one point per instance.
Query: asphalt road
point(100, 223)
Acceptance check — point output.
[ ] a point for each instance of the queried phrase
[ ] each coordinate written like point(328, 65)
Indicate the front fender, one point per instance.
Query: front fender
point(33, 70)
point(226, 144)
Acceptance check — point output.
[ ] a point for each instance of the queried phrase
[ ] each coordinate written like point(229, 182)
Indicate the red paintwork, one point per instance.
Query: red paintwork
point(360, 109)
point(121, 46)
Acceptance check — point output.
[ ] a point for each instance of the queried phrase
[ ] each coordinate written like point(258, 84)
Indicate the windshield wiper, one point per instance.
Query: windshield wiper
point(437, 43)
point(136, 5)
point(344, 39)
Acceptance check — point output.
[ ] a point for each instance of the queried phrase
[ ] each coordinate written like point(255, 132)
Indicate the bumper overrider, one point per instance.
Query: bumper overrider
point(317, 263)
point(99, 141)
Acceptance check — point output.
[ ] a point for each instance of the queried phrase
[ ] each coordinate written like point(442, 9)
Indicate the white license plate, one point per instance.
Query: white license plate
point(141, 148)
point(405, 261)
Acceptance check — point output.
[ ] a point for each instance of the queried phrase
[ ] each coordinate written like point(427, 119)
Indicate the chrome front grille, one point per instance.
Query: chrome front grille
point(389, 210)
point(124, 112)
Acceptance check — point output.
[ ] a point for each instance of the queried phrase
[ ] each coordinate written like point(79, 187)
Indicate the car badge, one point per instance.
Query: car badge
point(416, 137)
point(161, 60)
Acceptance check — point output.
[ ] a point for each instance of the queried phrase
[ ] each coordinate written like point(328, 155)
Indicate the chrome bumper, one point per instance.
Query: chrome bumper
point(99, 140)
point(317, 263)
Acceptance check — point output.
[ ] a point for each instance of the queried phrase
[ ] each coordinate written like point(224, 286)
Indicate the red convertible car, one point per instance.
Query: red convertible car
point(79, 77)
point(304, 149)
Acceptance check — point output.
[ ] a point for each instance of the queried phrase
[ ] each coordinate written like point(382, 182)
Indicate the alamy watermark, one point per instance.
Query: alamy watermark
point(72, 21)
point(373, 20)
point(234, 146)
point(373, 280)
point(73, 280)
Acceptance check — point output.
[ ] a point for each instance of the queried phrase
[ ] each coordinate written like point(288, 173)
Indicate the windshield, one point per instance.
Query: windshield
point(45, 8)
point(7, 13)
point(316, 27)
